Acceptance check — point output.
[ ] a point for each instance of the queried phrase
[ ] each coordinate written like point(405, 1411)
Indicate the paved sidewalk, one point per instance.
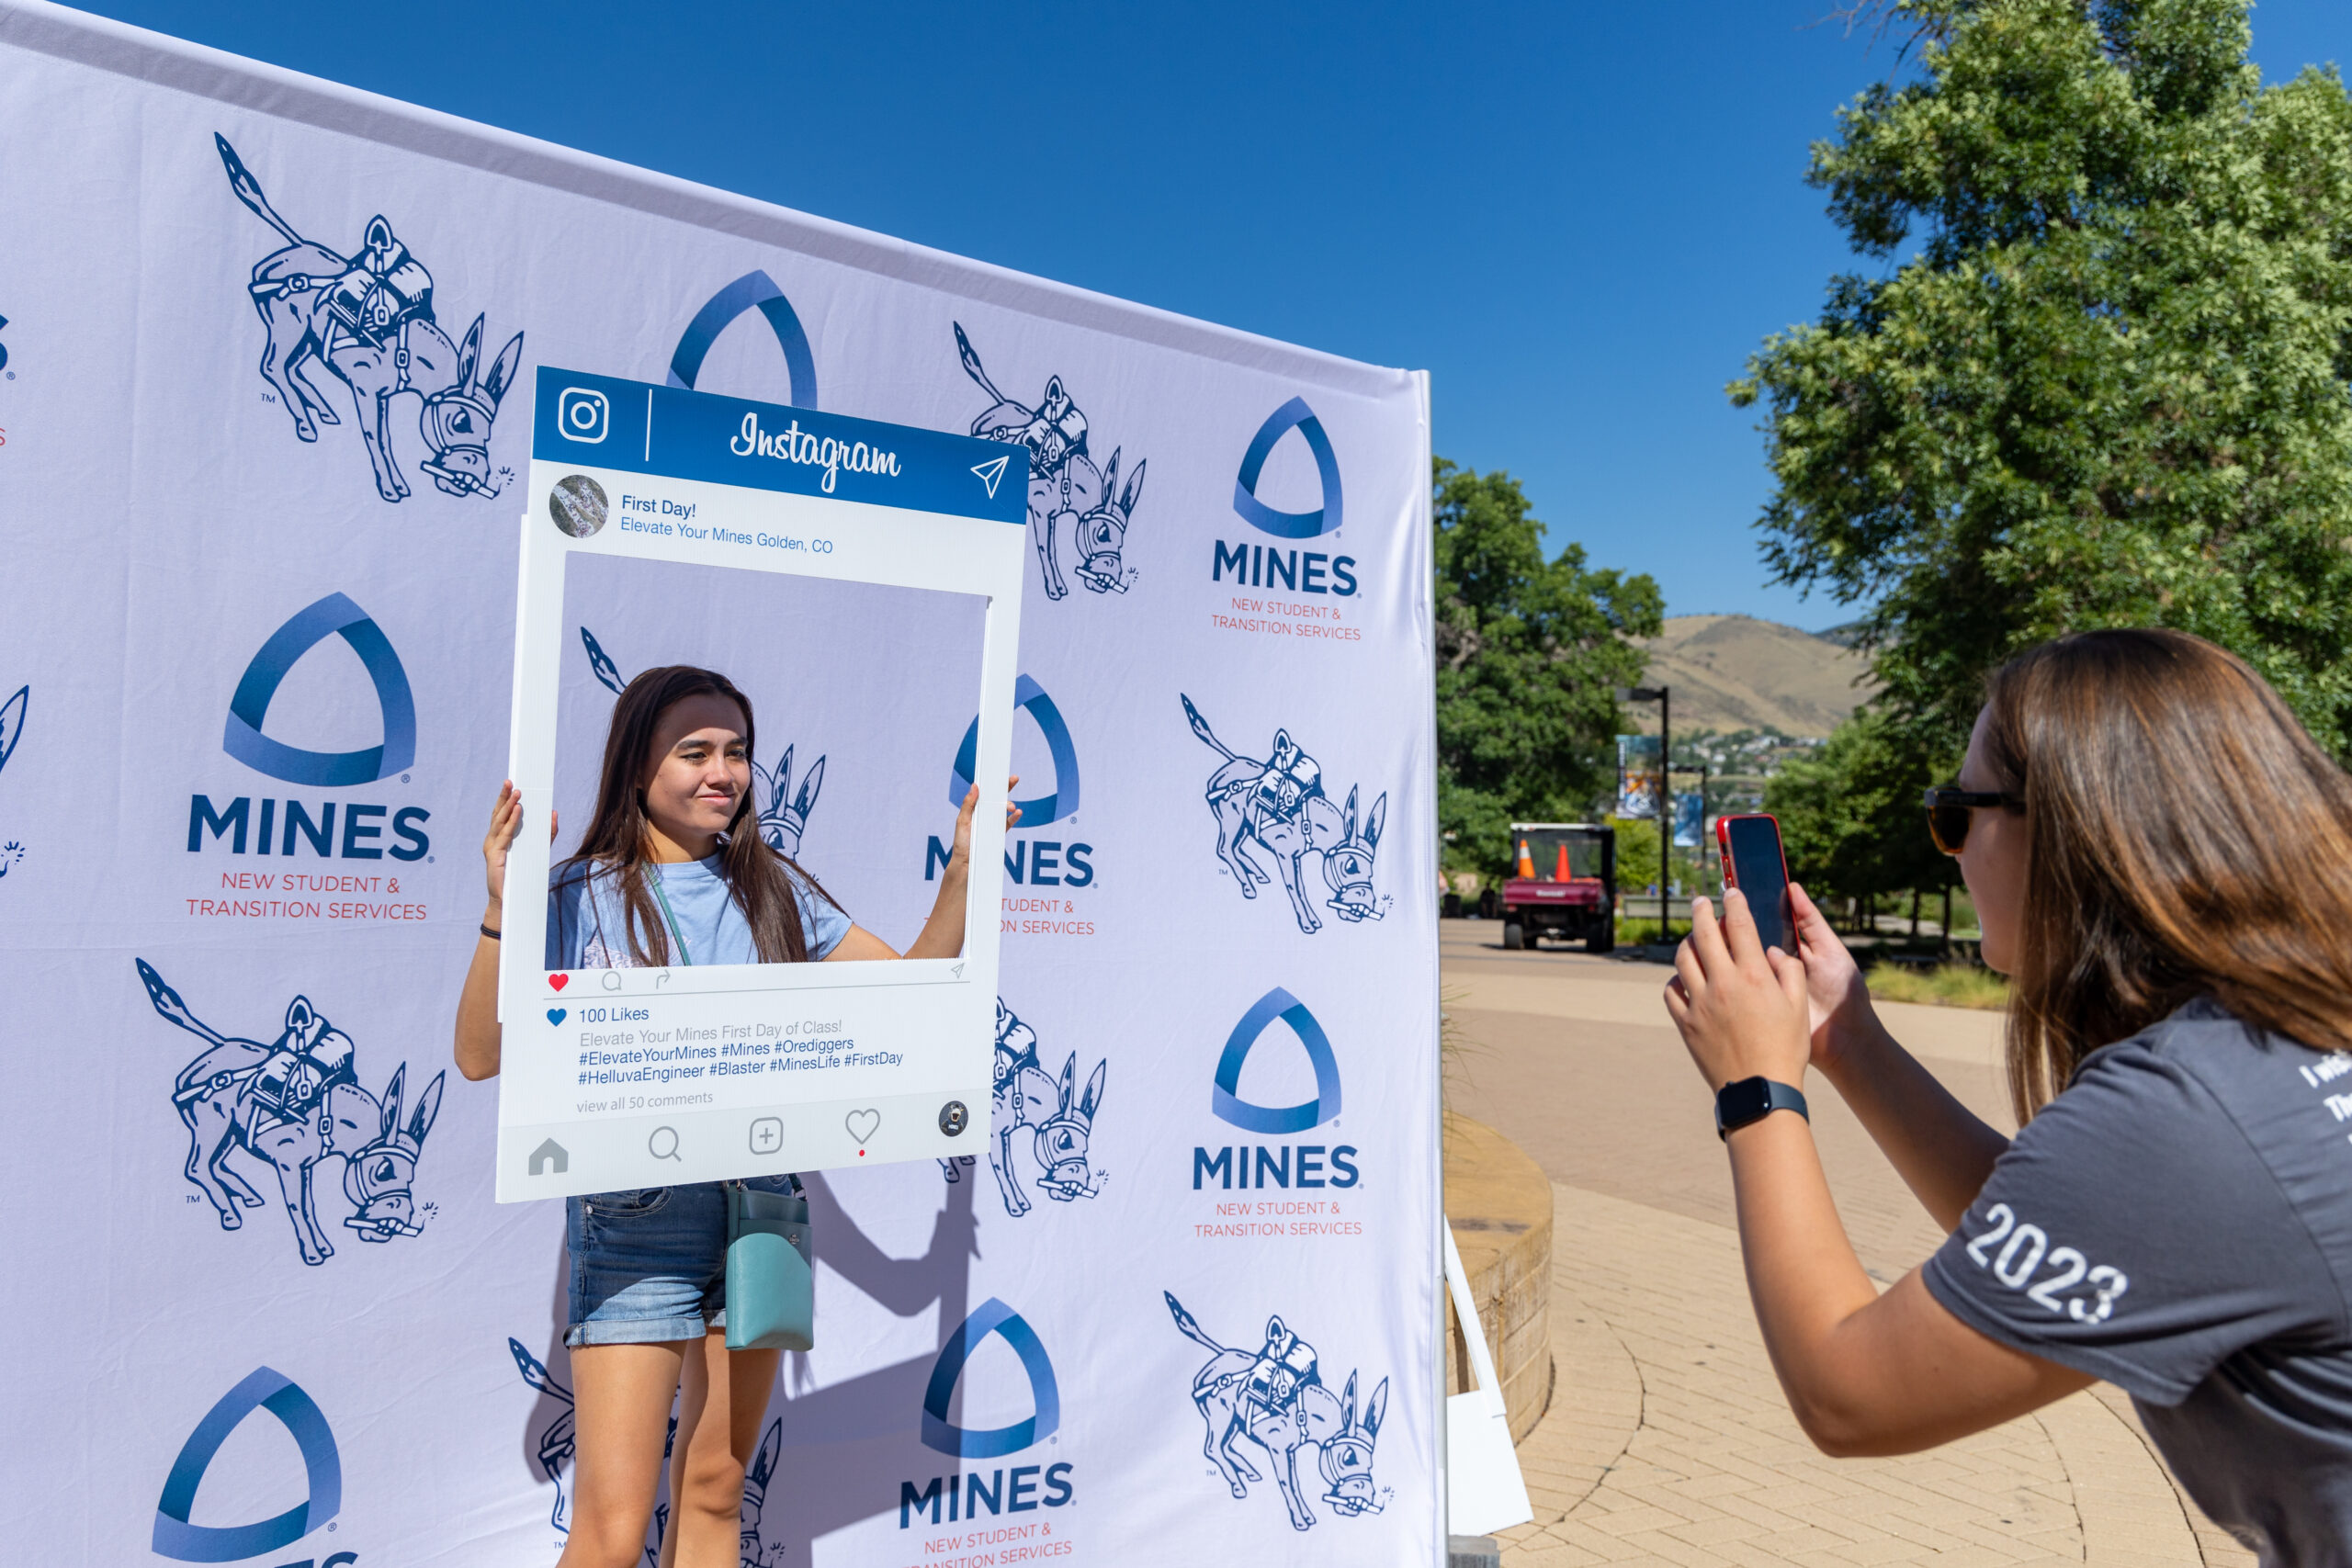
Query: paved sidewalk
point(1667, 1439)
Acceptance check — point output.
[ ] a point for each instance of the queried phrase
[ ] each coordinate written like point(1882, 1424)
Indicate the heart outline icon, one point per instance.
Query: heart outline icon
point(556, 1015)
point(559, 981)
point(872, 1120)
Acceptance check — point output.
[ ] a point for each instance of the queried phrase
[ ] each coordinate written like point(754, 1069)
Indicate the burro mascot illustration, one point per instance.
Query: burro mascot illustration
point(368, 318)
point(560, 1438)
point(783, 815)
point(1069, 496)
point(559, 1444)
point(291, 1104)
point(1060, 1118)
point(1278, 804)
point(1274, 1396)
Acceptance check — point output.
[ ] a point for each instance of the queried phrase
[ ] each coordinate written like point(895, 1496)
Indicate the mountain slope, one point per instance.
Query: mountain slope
point(1736, 672)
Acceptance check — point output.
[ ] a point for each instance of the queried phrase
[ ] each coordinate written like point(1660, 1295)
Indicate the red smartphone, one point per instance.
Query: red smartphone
point(1753, 863)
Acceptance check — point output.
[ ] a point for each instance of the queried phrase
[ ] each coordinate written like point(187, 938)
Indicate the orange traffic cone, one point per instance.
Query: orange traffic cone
point(1560, 872)
point(1526, 861)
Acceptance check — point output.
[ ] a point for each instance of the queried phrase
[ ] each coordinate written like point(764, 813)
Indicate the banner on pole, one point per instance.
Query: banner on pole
point(1641, 776)
point(1689, 819)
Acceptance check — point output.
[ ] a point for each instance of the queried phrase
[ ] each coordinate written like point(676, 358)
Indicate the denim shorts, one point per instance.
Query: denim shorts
point(649, 1265)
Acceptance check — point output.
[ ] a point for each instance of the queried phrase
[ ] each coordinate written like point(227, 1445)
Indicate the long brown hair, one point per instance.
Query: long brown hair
point(759, 877)
point(2185, 836)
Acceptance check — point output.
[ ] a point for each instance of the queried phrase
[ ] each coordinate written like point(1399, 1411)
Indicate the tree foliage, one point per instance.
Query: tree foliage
point(1529, 655)
point(1636, 860)
point(1637, 866)
point(1850, 820)
point(2102, 381)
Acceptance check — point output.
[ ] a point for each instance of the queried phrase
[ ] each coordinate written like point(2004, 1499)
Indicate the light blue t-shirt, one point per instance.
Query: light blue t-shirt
point(588, 923)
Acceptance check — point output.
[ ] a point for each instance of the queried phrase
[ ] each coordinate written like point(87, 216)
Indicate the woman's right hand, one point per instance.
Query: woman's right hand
point(505, 818)
point(1836, 999)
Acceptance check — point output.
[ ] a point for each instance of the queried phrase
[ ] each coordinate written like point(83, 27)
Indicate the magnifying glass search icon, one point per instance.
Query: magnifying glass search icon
point(663, 1144)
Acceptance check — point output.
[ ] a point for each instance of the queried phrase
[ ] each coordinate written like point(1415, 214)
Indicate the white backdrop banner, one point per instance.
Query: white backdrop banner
point(261, 457)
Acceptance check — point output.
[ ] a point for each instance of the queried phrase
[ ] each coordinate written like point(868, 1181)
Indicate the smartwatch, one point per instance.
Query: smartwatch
point(1752, 1100)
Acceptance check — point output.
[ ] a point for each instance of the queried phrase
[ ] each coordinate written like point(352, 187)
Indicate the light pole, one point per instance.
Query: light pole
point(1703, 778)
point(1665, 805)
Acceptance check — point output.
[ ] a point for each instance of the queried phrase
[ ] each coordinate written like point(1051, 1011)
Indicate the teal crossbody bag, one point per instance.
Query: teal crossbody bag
point(771, 1288)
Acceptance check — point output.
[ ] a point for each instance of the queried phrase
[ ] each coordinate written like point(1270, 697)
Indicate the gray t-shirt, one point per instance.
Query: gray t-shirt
point(2178, 1221)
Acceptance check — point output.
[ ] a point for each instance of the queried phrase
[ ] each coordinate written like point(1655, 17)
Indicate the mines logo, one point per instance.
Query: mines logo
point(341, 807)
point(1297, 560)
point(1030, 859)
point(264, 1389)
point(752, 291)
point(961, 1495)
point(1298, 1175)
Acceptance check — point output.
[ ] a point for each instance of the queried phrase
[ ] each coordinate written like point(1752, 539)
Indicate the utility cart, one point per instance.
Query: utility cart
point(1566, 887)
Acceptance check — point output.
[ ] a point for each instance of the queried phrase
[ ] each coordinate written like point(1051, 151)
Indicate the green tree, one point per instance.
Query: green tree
point(1636, 862)
point(1529, 655)
point(1851, 820)
point(1637, 868)
point(2100, 378)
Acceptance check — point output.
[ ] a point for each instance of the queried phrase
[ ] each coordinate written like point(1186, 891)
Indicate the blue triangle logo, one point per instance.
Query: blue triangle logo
point(330, 616)
point(1225, 1099)
point(991, 1316)
point(263, 1390)
point(753, 290)
point(1044, 808)
point(1293, 415)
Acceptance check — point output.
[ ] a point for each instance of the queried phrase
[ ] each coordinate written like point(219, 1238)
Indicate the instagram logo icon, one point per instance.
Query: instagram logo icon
point(582, 414)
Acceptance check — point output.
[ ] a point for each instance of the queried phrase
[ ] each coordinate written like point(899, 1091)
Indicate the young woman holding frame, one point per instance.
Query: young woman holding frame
point(2161, 860)
point(672, 869)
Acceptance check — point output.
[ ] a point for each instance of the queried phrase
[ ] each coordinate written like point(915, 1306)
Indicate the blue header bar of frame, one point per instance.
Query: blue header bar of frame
point(603, 422)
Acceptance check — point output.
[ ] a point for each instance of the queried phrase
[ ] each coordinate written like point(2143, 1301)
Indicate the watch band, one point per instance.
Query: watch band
point(1751, 1100)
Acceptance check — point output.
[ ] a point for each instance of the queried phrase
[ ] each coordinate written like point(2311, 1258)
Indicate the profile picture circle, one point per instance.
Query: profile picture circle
point(577, 504)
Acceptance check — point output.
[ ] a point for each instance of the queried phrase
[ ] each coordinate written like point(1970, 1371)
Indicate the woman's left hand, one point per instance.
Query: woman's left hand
point(959, 858)
point(942, 935)
point(1742, 1010)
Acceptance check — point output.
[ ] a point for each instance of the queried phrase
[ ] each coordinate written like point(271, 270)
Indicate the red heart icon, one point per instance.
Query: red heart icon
point(559, 981)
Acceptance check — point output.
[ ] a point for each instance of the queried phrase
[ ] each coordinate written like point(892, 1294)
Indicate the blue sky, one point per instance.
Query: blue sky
point(1581, 219)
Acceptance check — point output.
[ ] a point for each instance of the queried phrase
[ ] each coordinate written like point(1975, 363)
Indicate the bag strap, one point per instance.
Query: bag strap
point(686, 958)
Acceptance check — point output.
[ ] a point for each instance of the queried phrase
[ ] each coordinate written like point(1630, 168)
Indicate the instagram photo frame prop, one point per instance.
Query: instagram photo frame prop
point(628, 1078)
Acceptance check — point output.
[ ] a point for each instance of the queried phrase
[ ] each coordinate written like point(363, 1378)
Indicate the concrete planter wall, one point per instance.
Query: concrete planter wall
point(1499, 1203)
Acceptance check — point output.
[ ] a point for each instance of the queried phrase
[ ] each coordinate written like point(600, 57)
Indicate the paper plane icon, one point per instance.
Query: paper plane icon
point(991, 473)
point(957, 971)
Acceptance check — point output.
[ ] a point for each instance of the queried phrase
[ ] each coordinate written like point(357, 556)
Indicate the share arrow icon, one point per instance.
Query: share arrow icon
point(957, 971)
point(991, 473)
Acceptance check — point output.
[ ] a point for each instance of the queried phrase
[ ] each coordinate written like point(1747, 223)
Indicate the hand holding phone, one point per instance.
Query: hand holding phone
point(1741, 1020)
point(1754, 864)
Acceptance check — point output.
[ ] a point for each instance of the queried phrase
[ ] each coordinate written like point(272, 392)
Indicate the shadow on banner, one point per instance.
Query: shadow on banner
point(865, 1427)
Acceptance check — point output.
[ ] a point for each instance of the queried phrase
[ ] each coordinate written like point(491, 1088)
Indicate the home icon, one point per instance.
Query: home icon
point(549, 1154)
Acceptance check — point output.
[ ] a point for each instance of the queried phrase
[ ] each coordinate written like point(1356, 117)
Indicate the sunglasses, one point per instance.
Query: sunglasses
point(1950, 811)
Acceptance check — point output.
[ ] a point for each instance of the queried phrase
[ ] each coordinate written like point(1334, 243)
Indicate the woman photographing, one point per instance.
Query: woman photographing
point(2161, 861)
point(671, 870)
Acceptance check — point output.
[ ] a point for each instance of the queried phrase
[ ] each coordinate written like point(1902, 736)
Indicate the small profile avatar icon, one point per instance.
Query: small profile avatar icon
point(577, 503)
